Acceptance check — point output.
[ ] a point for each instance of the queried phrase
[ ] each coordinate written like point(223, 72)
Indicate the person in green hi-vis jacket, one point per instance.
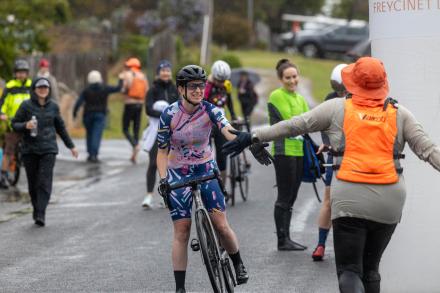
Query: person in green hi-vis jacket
point(283, 104)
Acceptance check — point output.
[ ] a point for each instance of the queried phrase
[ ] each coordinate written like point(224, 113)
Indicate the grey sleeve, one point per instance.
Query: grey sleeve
point(418, 140)
point(318, 119)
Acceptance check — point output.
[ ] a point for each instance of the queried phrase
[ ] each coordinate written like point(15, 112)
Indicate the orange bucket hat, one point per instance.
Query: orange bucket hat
point(366, 79)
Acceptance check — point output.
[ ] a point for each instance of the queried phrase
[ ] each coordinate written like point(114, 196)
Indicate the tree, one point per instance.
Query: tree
point(351, 9)
point(23, 27)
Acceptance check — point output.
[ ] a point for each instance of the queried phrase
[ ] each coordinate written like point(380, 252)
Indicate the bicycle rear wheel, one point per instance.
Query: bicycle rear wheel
point(210, 251)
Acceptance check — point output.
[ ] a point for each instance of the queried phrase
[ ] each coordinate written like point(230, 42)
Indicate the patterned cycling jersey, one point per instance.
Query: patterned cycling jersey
point(218, 95)
point(187, 135)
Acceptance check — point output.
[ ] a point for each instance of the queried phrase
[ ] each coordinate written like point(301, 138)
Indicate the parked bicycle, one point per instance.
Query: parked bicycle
point(14, 167)
point(214, 256)
point(239, 168)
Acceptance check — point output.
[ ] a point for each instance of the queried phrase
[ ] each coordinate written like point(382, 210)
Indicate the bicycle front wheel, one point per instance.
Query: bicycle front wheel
point(210, 250)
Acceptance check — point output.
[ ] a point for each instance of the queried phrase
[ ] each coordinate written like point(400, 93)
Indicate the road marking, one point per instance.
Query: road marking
point(299, 220)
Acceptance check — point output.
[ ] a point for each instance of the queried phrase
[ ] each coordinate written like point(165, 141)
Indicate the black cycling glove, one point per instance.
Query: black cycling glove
point(236, 146)
point(164, 190)
point(261, 154)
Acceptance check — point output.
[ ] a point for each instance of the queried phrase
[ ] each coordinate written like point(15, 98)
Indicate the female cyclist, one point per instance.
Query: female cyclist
point(184, 153)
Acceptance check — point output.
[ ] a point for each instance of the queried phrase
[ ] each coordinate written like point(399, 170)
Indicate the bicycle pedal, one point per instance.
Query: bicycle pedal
point(195, 246)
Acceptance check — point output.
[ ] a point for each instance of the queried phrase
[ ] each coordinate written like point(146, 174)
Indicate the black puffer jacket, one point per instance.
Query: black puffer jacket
point(50, 123)
point(160, 91)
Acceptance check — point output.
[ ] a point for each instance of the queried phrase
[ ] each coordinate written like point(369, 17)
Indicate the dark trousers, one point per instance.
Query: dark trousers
point(95, 124)
point(359, 245)
point(132, 116)
point(288, 171)
point(152, 169)
point(39, 172)
point(219, 141)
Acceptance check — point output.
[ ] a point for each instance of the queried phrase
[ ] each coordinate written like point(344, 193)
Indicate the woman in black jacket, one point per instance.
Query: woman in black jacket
point(163, 89)
point(39, 147)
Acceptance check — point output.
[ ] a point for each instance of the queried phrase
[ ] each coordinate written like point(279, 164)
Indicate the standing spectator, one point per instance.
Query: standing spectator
point(135, 87)
point(163, 90)
point(285, 103)
point(95, 100)
point(39, 151)
point(247, 96)
point(44, 71)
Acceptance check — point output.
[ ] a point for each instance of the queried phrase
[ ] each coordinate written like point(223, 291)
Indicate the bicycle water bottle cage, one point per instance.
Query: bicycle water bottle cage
point(195, 246)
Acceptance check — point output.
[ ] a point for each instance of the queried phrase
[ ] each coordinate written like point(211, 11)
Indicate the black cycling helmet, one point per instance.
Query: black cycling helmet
point(21, 65)
point(190, 73)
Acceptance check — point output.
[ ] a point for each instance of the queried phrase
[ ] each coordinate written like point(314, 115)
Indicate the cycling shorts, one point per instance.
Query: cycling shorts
point(181, 199)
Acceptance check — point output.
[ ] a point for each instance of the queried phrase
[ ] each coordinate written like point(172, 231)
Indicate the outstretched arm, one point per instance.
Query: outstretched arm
point(418, 140)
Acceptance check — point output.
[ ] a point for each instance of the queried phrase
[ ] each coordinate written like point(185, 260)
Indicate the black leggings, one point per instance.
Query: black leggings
point(288, 171)
point(219, 141)
point(152, 169)
point(39, 173)
point(132, 114)
point(359, 245)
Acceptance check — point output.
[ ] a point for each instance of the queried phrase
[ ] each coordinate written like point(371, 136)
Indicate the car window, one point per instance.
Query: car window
point(356, 30)
point(340, 31)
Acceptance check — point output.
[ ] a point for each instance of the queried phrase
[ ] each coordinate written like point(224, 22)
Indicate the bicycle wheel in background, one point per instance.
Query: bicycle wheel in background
point(232, 180)
point(243, 179)
point(14, 170)
point(209, 250)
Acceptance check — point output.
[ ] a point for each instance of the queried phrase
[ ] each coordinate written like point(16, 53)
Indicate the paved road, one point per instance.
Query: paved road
point(99, 239)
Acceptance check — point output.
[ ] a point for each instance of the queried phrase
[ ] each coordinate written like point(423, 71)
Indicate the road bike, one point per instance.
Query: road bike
point(215, 258)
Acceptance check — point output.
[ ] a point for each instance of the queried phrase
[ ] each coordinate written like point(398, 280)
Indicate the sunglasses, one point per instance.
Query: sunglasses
point(194, 86)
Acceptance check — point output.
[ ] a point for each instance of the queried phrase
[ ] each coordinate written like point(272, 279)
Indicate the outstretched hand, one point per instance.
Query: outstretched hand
point(260, 153)
point(238, 144)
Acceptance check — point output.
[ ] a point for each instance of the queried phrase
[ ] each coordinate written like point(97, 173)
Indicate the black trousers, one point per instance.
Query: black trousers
point(219, 141)
point(39, 173)
point(359, 245)
point(288, 171)
point(152, 169)
point(132, 116)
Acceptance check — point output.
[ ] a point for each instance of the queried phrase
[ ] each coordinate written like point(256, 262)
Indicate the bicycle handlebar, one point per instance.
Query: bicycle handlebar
point(196, 181)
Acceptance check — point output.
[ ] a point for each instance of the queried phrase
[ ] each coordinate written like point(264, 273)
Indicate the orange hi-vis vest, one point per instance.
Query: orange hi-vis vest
point(370, 144)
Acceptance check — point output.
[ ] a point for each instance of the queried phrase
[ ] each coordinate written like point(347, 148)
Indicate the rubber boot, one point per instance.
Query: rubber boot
point(349, 282)
point(372, 282)
point(287, 221)
point(283, 243)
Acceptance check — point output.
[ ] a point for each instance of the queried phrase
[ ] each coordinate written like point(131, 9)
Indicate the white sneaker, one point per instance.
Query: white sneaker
point(147, 201)
point(161, 204)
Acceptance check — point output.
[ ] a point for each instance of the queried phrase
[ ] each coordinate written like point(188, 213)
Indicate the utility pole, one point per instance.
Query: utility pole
point(205, 50)
point(250, 12)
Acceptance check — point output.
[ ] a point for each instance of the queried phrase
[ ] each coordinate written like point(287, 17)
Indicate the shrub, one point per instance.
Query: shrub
point(231, 30)
point(231, 59)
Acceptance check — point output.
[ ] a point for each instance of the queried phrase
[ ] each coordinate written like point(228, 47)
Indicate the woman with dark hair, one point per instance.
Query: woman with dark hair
point(285, 103)
point(367, 133)
point(39, 120)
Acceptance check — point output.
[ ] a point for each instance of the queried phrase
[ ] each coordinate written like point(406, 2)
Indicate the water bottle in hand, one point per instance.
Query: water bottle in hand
point(34, 131)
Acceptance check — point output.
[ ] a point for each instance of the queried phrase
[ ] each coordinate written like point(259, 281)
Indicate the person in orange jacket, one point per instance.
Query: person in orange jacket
point(135, 87)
